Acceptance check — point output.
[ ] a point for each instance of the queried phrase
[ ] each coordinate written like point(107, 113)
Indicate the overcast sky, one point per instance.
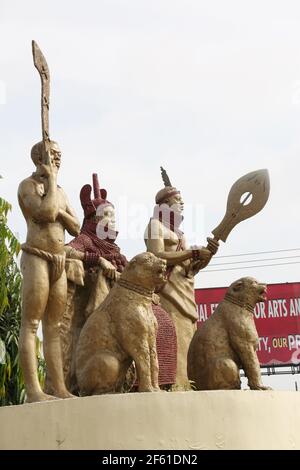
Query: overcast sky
point(208, 89)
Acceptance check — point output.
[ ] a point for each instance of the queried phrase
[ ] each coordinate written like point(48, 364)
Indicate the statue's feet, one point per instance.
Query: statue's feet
point(146, 388)
point(260, 387)
point(63, 394)
point(38, 397)
point(149, 388)
point(181, 387)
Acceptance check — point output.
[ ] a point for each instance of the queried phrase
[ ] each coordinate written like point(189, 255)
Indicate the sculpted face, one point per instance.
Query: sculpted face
point(55, 154)
point(37, 154)
point(106, 216)
point(248, 289)
point(106, 221)
point(146, 270)
point(176, 203)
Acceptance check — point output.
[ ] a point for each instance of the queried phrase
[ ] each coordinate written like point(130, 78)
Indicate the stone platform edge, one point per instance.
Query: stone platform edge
point(155, 421)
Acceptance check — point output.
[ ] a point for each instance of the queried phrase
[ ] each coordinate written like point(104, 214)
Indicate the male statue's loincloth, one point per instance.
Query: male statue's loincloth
point(56, 262)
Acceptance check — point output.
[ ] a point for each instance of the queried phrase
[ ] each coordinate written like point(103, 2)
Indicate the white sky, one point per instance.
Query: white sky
point(209, 89)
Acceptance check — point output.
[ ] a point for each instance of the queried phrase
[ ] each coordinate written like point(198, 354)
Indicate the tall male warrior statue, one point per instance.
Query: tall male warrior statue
point(48, 214)
point(164, 238)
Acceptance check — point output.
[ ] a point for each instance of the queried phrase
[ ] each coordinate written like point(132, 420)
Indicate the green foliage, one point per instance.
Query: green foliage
point(12, 389)
point(9, 248)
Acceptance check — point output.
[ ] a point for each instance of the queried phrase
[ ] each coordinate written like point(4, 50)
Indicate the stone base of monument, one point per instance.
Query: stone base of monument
point(177, 420)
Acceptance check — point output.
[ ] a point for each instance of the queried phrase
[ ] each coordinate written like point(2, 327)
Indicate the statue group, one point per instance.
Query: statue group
point(113, 325)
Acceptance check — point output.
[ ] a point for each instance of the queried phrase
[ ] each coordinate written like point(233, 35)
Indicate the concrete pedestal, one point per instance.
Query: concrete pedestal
point(177, 420)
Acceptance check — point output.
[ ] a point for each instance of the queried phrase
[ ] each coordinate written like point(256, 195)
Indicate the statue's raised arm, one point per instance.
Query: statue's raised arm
point(47, 214)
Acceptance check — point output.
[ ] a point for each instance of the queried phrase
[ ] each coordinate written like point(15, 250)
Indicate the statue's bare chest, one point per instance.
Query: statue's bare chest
point(42, 192)
point(171, 240)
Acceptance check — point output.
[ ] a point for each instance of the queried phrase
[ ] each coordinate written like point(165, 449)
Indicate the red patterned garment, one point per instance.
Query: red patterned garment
point(166, 345)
